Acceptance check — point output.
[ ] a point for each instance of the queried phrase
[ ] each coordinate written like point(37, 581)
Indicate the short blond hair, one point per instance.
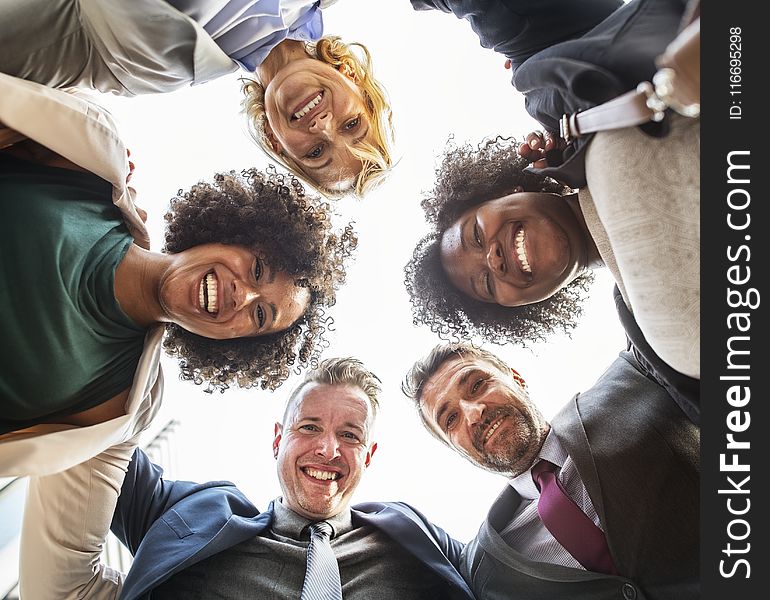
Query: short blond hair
point(345, 371)
point(376, 158)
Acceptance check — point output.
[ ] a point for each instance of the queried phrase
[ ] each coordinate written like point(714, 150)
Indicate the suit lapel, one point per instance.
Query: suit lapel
point(172, 553)
point(406, 529)
point(568, 427)
point(491, 542)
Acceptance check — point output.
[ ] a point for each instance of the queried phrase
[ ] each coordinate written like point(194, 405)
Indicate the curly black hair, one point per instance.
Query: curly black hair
point(469, 176)
point(293, 230)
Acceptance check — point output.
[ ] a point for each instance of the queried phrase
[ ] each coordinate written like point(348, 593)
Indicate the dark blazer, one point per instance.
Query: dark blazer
point(570, 55)
point(170, 525)
point(638, 455)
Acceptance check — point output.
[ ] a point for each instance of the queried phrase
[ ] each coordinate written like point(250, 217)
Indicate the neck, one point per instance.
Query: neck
point(280, 56)
point(593, 258)
point(137, 285)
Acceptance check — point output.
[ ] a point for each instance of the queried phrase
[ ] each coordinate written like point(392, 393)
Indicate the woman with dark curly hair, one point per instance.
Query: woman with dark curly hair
point(470, 300)
point(510, 255)
point(250, 262)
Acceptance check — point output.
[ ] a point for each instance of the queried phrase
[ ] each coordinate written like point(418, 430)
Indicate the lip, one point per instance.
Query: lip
point(501, 421)
point(326, 468)
point(221, 303)
point(304, 102)
point(512, 257)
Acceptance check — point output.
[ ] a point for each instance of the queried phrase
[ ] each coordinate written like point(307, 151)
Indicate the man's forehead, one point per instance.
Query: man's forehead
point(315, 397)
point(449, 375)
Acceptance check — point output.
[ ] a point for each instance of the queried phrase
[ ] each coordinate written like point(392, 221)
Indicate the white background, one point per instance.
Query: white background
point(441, 83)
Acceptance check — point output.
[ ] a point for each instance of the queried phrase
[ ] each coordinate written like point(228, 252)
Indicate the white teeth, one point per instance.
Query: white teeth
point(207, 293)
point(323, 475)
point(308, 107)
point(492, 429)
point(521, 252)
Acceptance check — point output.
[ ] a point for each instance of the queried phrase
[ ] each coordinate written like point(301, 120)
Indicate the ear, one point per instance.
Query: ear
point(348, 72)
point(518, 379)
point(277, 439)
point(274, 143)
point(370, 453)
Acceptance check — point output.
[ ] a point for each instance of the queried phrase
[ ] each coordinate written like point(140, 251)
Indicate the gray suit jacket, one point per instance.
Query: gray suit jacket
point(638, 455)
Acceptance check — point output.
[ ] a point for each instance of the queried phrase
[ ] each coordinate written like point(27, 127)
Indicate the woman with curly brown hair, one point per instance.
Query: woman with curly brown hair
point(510, 256)
point(313, 103)
point(250, 262)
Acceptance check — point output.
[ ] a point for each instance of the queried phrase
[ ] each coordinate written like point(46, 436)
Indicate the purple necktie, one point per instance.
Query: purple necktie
point(571, 527)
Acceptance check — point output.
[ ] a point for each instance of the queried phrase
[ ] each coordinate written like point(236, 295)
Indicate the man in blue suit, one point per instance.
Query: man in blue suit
point(208, 540)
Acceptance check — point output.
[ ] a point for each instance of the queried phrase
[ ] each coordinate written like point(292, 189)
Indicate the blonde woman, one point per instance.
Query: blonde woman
point(339, 144)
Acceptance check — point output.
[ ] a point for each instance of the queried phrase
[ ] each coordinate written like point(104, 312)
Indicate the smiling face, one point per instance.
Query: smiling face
point(483, 414)
point(315, 115)
point(518, 249)
point(323, 448)
point(224, 291)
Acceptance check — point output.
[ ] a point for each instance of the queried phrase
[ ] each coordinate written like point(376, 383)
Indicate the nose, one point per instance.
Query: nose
point(472, 411)
point(495, 260)
point(321, 123)
point(244, 295)
point(327, 447)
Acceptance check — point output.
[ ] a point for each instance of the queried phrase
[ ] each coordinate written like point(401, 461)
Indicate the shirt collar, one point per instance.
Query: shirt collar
point(289, 524)
point(553, 452)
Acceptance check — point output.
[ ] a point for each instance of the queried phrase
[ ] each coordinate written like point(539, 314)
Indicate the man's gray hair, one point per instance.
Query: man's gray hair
point(426, 367)
point(342, 371)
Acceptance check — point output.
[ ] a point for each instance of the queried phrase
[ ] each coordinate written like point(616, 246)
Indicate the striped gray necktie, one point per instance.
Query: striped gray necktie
point(322, 577)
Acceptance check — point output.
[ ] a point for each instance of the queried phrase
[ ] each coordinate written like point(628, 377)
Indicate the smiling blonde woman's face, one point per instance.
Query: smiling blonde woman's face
point(315, 115)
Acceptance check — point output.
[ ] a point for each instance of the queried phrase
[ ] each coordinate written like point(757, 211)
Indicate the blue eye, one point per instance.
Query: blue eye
point(353, 123)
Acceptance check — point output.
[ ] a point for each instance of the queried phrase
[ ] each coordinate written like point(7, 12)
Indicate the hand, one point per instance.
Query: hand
point(131, 167)
point(537, 144)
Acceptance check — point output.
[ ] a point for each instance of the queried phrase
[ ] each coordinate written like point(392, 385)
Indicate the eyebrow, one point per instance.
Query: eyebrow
point(271, 272)
point(443, 408)
point(351, 425)
point(274, 310)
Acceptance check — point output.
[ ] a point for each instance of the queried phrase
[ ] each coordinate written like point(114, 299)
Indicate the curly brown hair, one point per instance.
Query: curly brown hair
point(269, 211)
point(468, 176)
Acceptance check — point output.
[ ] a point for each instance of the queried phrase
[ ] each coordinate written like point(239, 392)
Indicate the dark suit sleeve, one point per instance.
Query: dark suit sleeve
point(518, 29)
point(144, 496)
point(449, 546)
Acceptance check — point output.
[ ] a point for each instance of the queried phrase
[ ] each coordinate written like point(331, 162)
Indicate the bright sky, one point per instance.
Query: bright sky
point(441, 83)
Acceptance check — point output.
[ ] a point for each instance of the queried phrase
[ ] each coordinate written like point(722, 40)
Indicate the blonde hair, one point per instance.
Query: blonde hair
point(376, 158)
point(341, 371)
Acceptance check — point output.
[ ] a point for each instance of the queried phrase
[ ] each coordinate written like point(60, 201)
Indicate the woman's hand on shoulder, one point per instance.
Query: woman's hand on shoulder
point(537, 144)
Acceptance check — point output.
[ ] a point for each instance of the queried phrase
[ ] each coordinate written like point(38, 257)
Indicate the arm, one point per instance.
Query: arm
point(144, 497)
point(66, 520)
point(75, 128)
point(518, 29)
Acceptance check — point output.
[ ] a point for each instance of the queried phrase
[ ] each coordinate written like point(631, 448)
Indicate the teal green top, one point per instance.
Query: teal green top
point(66, 344)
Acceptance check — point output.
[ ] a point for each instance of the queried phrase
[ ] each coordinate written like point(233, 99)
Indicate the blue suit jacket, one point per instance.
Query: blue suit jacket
point(170, 525)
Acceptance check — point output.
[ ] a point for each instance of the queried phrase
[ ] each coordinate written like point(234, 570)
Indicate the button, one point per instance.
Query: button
point(629, 591)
